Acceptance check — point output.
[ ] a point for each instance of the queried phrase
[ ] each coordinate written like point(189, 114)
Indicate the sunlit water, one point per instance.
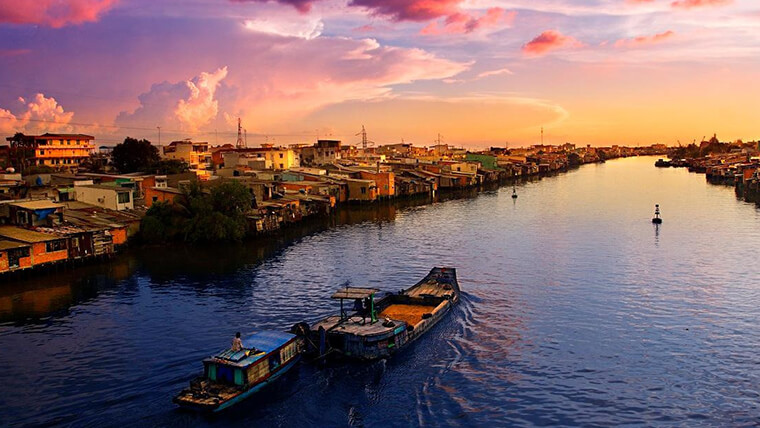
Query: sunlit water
point(577, 311)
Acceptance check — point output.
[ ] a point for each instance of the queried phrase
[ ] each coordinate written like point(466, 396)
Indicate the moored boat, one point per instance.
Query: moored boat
point(378, 329)
point(232, 376)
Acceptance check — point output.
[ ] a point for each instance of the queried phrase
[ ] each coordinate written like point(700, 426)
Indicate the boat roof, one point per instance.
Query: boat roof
point(354, 293)
point(255, 347)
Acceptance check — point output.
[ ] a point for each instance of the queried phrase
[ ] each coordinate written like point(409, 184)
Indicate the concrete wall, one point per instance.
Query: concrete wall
point(103, 197)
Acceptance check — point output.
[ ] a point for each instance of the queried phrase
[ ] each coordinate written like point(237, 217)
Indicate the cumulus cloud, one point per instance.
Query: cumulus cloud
point(187, 105)
point(644, 40)
point(548, 41)
point(53, 13)
point(40, 114)
point(689, 4)
point(200, 107)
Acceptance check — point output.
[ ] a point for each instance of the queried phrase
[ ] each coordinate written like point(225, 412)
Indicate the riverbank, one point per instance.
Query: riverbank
point(238, 203)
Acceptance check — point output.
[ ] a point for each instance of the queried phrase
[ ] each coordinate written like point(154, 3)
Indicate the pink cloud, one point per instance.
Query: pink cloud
point(548, 41)
point(411, 10)
point(644, 40)
point(42, 113)
point(13, 52)
point(689, 4)
point(465, 23)
point(302, 6)
point(53, 13)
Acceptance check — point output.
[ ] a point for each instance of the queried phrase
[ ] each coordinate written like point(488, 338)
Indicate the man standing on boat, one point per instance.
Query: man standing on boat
point(237, 343)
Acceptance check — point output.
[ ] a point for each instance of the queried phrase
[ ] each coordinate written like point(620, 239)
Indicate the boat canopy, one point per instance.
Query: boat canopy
point(255, 347)
point(267, 341)
point(354, 293)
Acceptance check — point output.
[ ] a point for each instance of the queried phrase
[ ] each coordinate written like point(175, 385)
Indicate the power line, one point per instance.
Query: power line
point(136, 128)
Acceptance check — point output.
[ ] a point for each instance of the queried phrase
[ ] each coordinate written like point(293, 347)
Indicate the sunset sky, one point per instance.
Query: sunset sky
point(479, 72)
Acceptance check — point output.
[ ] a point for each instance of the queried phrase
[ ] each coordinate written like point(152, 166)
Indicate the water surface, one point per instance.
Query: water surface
point(577, 311)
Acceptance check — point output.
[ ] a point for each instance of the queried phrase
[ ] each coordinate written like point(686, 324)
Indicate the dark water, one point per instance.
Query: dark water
point(578, 311)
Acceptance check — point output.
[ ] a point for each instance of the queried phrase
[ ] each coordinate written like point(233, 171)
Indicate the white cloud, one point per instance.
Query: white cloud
point(302, 27)
point(200, 107)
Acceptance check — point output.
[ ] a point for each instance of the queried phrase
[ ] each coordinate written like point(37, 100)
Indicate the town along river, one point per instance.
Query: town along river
point(577, 310)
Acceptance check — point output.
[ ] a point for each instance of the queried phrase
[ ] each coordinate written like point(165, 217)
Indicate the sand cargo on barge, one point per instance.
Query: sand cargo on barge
point(376, 329)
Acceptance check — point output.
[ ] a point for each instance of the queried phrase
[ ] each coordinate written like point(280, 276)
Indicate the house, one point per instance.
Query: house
point(195, 154)
point(14, 256)
point(43, 212)
point(60, 151)
point(361, 190)
point(322, 153)
point(45, 248)
point(104, 196)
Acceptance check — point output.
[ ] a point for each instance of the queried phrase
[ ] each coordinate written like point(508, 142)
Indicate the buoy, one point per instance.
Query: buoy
point(657, 219)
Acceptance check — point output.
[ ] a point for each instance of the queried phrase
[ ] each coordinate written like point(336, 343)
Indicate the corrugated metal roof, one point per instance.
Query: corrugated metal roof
point(267, 341)
point(42, 204)
point(25, 235)
point(8, 245)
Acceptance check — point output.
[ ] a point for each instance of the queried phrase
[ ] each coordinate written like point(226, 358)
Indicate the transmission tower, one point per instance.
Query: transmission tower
point(240, 142)
point(365, 141)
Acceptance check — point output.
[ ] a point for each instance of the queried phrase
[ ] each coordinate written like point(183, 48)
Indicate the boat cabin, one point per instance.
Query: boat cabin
point(231, 376)
point(254, 362)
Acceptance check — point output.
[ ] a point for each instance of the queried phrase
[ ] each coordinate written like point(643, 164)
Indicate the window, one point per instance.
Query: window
point(42, 152)
point(280, 155)
point(364, 190)
point(14, 254)
point(155, 198)
point(123, 197)
point(52, 246)
point(282, 166)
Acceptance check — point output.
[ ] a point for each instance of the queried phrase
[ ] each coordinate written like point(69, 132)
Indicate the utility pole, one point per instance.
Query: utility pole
point(542, 135)
point(159, 140)
point(245, 131)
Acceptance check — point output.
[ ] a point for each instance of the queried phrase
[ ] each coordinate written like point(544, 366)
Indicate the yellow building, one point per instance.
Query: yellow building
point(62, 151)
point(196, 154)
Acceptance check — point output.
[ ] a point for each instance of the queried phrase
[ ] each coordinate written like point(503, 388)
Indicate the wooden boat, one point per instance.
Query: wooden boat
point(378, 329)
point(232, 376)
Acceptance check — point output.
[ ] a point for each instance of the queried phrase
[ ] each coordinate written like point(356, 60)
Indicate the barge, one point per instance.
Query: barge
point(375, 329)
point(230, 377)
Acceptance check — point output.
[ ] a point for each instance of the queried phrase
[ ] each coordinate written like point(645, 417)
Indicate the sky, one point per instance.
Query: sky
point(477, 72)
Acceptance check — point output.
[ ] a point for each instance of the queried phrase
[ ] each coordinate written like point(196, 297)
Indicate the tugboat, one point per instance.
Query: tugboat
point(231, 376)
point(657, 219)
point(378, 329)
point(514, 192)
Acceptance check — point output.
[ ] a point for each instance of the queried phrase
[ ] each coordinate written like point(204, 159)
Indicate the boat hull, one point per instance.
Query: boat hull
point(404, 317)
point(223, 405)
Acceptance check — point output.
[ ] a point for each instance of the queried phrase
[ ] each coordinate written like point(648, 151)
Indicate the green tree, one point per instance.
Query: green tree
point(202, 215)
point(170, 166)
point(134, 155)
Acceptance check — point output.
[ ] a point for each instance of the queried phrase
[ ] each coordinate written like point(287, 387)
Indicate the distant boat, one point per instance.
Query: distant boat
point(230, 377)
point(657, 219)
point(382, 327)
point(514, 193)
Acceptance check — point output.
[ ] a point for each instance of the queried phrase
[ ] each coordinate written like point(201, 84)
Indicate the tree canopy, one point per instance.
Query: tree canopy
point(134, 155)
point(214, 215)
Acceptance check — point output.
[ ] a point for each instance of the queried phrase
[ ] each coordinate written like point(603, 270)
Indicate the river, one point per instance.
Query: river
point(577, 310)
